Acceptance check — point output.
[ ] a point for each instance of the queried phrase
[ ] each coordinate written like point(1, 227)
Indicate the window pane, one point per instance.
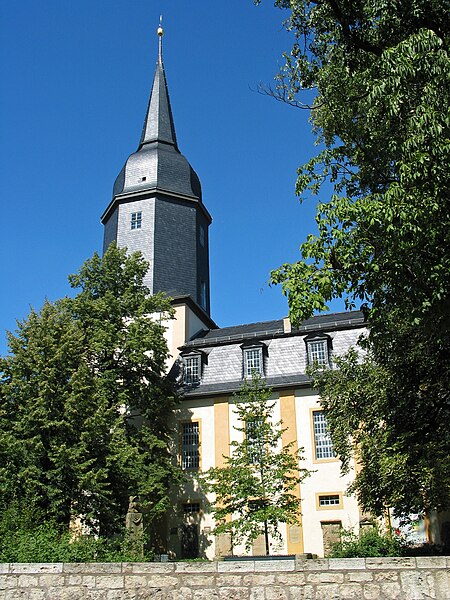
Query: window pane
point(254, 440)
point(252, 361)
point(190, 443)
point(136, 220)
point(329, 500)
point(191, 507)
point(322, 439)
point(318, 352)
point(191, 369)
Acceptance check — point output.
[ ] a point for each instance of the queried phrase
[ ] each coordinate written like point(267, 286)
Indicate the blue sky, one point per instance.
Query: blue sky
point(76, 77)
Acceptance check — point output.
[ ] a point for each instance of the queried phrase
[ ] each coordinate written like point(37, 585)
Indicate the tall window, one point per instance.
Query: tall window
point(322, 439)
point(203, 295)
point(254, 439)
point(190, 446)
point(252, 361)
point(318, 352)
point(136, 220)
point(192, 367)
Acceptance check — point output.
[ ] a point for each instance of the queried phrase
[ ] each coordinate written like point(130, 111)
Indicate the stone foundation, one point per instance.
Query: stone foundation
point(299, 579)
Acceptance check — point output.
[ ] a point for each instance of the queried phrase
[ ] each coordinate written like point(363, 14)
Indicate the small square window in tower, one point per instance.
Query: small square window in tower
point(136, 220)
point(192, 369)
point(253, 361)
point(190, 445)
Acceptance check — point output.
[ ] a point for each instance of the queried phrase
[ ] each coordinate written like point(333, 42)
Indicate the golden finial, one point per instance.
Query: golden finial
point(160, 30)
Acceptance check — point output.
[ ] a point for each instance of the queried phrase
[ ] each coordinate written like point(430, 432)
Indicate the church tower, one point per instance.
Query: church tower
point(157, 205)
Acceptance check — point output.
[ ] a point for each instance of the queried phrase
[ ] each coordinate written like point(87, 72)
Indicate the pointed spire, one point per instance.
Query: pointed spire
point(158, 124)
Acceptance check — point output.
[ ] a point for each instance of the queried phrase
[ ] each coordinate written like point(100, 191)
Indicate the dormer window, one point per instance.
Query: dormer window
point(136, 220)
point(318, 349)
point(253, 358)
point(192, 368)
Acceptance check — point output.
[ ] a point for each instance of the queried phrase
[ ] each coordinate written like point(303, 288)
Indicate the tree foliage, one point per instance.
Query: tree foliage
point(380, 71)
point(84, 404)
point(255, 489)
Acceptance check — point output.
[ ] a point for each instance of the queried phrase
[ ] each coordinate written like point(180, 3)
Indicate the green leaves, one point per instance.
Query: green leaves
point(381, 72)
point(256, 489)
point(79, 372)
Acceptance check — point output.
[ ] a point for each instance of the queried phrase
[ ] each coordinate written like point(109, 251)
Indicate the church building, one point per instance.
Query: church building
point(157, 208)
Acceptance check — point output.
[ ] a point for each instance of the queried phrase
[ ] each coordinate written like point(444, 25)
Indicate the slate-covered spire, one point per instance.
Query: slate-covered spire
point(158, 164)
point(158, 124)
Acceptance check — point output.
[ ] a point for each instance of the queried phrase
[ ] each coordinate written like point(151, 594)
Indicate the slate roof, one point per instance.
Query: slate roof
point(268, 329)
point(285, 357)
point(158, 164)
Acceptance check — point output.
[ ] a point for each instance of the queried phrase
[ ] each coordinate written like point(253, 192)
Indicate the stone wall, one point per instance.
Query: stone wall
point(299, 579)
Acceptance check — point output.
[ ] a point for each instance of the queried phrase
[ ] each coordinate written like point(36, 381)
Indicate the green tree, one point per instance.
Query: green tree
point(84, 402)
point(255, 490)
point(380, 74)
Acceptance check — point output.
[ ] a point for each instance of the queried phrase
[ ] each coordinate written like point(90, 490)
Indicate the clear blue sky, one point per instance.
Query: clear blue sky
point(76, 78)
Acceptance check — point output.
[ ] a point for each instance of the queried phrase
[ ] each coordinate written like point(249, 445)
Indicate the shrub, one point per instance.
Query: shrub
point(370, 542)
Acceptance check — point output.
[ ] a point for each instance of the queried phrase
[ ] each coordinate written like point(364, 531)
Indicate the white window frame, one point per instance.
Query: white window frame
point(318, 353)
point(253, 361)
point(192, 369)
point(136, 220)
point(323, 446)
point(190, 445)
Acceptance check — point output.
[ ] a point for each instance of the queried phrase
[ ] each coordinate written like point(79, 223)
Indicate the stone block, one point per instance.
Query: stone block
point(182, 593)
point(441, 584)
point(316, 564)
point(346, 564)
point(8, 581)
point(70, 593)
point(326, 577)
point(258, 579)
point(415, 585)
point(150, 580)
point(151, 594)
point(121, 595)
point(359, 576)
point(276, 592)
point(390, 590)
point(139, 568)
point(16, 594)
point(257, 593)
point(385, 576)
point(204, 595)
point(371, 591)
point(350, 591)
point(31, 568)
point(51, 580)
point(37, 594)
point(304, 592)
point(392, 562)
point(4, 568)
point(245, 566)
point(291, 578)
point(197, 567)
point(327, 592)
point(28, 581)
point(110, 582)
point(97, 568)
point(274, 565)
point(230, 580)
point(236, 593)
point(431, 562)
point(197, 580)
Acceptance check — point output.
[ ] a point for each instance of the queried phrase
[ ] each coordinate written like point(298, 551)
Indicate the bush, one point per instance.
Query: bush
point(370, 542)
point(47, 543)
